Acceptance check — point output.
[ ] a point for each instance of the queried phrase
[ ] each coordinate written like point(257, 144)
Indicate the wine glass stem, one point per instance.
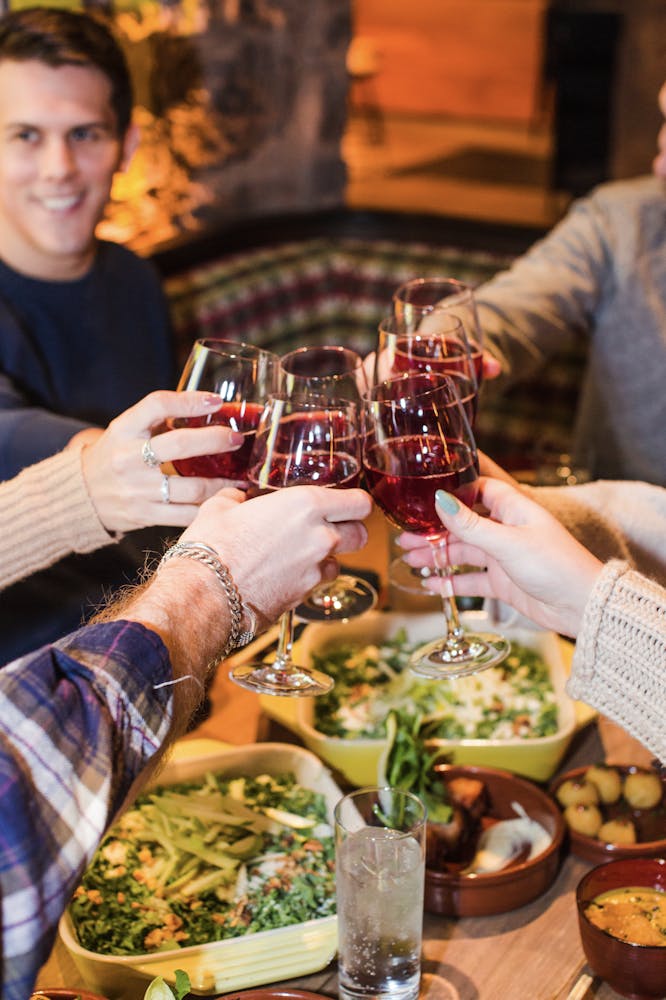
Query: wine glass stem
point(454, 630)
point(285, 639)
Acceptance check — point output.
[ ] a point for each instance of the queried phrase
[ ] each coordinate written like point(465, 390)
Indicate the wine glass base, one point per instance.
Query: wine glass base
point(410, 579)
point(478, 651)
point(285, 680)
point(346, 597)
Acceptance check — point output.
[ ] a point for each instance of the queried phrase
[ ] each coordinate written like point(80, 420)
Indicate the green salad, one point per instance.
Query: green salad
point(207, 860)
point(514, 699)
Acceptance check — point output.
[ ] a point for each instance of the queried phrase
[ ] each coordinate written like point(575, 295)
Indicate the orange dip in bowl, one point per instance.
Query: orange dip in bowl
point(636, 914)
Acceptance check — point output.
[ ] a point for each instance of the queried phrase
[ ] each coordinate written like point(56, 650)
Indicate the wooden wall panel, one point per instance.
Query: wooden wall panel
point(473, 58)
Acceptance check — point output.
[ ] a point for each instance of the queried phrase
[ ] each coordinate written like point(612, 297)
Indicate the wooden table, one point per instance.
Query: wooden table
point(533, 953)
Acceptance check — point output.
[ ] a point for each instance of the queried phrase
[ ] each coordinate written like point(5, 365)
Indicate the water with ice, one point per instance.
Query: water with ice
point(379, 875)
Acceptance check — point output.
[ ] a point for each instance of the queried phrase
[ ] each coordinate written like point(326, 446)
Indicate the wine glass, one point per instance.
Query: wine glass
point(440, 346)
point(332, 375)
point(244, 376)
point(443, 349)
point(417, 440)
point(419, 302)
point(298, 442)
point(324, 371)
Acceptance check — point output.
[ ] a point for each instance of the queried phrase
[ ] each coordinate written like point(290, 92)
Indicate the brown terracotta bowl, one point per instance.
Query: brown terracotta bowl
point(455, 894)
point(636, 971)
point(598, 851)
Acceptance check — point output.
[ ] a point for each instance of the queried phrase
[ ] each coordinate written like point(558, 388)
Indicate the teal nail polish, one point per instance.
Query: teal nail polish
point(448, 503)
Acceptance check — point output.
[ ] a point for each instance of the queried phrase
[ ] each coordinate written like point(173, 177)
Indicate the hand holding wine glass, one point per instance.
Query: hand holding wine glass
point(416, 441)
point(298, 442)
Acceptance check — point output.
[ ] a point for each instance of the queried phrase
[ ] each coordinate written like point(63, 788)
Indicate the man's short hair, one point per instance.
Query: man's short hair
point(68, 38)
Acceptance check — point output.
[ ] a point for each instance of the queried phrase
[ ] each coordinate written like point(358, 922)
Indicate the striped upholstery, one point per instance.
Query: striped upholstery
point(335, 290)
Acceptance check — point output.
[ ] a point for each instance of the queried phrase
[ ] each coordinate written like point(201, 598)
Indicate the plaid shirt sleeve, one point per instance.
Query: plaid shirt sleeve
point(79, 720)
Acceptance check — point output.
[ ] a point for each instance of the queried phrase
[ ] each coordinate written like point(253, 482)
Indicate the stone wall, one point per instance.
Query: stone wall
point(242, 107)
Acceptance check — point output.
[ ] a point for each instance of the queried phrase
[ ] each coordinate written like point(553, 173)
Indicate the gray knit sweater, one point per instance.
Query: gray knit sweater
point(599, 275)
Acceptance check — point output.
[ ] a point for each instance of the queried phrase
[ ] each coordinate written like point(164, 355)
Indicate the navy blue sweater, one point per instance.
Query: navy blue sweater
point(75, 354)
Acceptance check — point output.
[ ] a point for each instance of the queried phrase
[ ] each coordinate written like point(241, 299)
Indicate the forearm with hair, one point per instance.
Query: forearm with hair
point(185, 605)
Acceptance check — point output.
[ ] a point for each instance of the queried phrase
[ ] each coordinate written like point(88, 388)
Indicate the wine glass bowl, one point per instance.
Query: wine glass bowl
point(409, 453)
point(421, 303)
point(243, 376)
point(328, 372)
point(417, 440)
point(298, 442)
point(442, 348)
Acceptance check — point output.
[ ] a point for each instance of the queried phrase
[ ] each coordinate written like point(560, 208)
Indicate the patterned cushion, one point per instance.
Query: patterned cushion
point(335, 291)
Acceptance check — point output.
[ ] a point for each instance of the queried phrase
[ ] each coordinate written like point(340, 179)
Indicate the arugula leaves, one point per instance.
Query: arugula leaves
point(410, 766)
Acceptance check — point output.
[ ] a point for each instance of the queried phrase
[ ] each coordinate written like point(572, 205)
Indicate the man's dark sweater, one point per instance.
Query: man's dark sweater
point(75, 354)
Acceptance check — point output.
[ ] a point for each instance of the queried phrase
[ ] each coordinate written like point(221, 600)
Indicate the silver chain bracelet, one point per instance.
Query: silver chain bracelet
point(208, 556)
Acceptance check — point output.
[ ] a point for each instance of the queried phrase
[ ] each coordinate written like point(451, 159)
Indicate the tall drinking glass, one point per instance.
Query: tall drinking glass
point(244, 376)
point(379, 875)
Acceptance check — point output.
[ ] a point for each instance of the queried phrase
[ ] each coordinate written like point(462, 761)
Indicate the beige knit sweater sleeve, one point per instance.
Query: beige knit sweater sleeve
point(615, 520)
point(45, 514)
point(619, 664)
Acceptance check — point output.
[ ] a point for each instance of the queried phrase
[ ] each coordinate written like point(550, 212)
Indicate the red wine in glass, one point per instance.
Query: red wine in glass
point(426, 464)
point(329, 374)
point(240, 416)
point(243, 376)
point(317, 469)
point(444, 349)
point(416, 303)
point(430, 354)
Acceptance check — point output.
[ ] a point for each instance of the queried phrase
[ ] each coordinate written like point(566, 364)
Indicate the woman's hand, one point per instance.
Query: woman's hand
point(127, 492)
point(525, 557)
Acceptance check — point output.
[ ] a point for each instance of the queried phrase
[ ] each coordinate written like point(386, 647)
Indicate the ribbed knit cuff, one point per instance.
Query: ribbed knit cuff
point(619, 657)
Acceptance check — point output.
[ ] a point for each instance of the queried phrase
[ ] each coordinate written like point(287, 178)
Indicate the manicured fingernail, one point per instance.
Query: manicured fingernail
point(236, 439)
point(212, 400)
point(446, 502)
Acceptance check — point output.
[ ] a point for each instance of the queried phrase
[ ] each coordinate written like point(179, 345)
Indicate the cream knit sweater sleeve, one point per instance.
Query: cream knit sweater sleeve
point(619, 664)
point(46, 513)
point(615, 520)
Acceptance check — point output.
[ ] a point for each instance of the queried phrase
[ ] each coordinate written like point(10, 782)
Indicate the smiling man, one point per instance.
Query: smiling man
point(84, 330)
point(60, 146)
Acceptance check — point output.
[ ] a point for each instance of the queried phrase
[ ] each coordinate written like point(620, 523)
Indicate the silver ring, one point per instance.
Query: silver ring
point(148, 455)
point(166, 496)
